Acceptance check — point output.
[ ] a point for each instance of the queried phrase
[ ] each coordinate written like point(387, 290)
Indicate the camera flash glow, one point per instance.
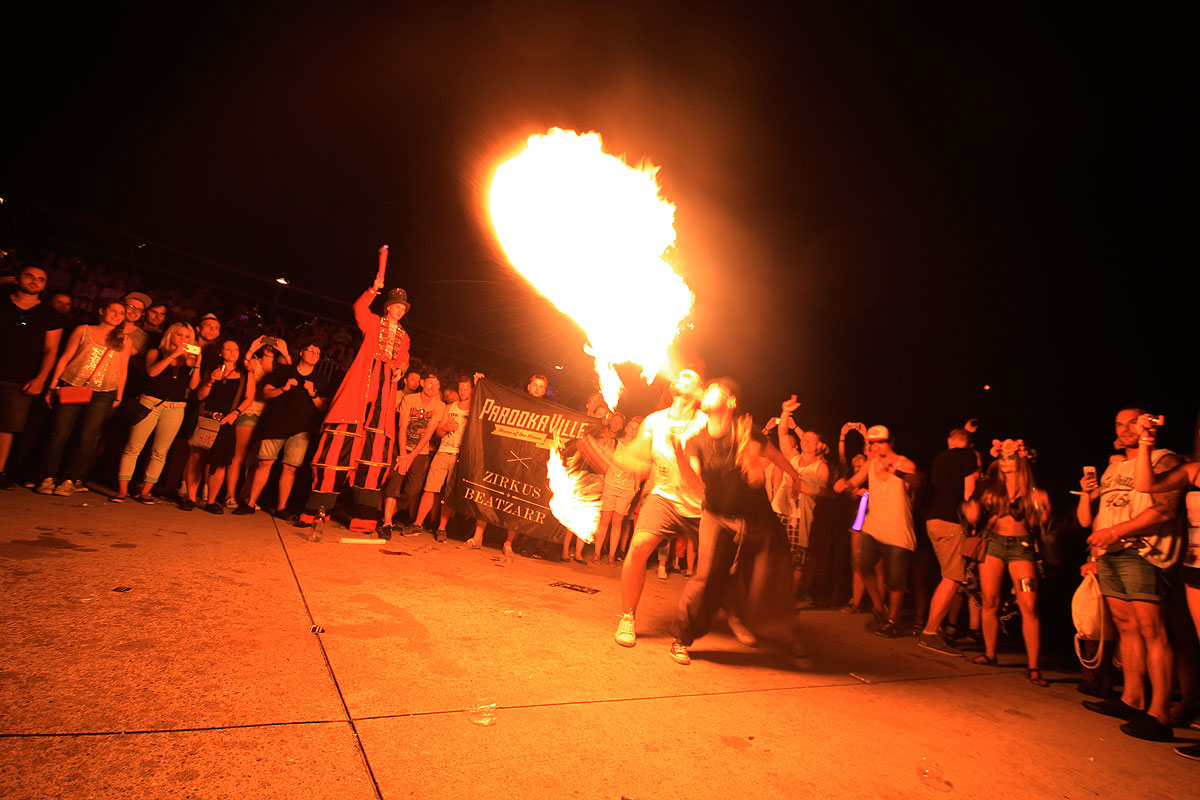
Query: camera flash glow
point(282, 281)
point(987, 386)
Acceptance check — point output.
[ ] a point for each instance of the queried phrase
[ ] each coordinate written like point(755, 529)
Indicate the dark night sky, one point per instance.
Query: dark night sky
point(880, 210)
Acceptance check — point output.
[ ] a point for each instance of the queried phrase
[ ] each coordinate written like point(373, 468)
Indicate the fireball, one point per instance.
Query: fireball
point(572, 220)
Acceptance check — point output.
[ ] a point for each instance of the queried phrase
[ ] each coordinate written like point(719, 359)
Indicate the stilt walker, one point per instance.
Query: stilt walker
point(358, 437)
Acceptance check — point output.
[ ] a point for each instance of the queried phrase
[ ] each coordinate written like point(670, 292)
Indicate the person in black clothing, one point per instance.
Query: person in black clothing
point(30, 332)
point(297, 397)
point(953, 477)
point(212, 438)
point(739, 531)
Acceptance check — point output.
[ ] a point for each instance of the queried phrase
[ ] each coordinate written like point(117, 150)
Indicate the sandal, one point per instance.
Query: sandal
point(1035, 677)
point(146, 501)
point(508, 551)
point(983, 661)
point(116, 498)
point(469, 544)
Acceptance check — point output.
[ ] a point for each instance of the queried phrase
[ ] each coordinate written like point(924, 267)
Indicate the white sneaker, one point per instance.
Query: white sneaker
point(46, 486)
point(625, 635)
point(662, 572)
point(65, 489)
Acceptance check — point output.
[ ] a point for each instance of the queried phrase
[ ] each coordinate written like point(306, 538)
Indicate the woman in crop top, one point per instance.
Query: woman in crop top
point(1010, 511)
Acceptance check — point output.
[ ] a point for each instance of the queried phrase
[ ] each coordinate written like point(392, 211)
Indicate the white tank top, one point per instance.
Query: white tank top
point(889, 514)
point(665, 479)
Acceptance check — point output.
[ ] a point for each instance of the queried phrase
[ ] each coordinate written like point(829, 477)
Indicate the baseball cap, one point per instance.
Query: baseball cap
point(209, 315)
point(143, 298)
point(878, 433)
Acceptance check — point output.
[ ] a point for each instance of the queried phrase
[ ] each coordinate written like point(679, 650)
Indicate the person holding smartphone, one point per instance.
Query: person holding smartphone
point(172, 370)
point(1134, 548)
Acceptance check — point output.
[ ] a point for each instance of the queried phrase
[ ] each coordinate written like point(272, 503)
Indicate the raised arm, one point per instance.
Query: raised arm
point(362, 308)
point(1144, 478)
point(786, 446)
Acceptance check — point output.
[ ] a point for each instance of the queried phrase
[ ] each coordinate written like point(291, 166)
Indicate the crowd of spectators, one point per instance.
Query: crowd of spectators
point(192, 398)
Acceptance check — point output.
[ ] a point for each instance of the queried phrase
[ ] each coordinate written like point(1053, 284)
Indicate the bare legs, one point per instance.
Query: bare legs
point(1145, 652)
point(242, 434)
point(477, 539)
point(193, 473)
point(633, 571)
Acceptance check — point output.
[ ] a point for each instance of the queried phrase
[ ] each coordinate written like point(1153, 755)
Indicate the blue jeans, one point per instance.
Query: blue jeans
point(85, 420)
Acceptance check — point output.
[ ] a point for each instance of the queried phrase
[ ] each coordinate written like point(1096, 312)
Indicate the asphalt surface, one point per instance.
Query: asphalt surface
point(149, 652)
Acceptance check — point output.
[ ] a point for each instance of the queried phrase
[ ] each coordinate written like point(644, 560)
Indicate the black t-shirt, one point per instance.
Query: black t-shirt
point(293, 411)
point(946, 476)
point(23, 336)
point(726, 491)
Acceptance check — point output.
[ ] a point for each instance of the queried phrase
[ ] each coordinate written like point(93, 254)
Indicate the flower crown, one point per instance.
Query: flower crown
point(1010, 448)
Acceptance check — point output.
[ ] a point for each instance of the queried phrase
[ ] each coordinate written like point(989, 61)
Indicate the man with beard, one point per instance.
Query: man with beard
point(671, 507)
point(30, 331)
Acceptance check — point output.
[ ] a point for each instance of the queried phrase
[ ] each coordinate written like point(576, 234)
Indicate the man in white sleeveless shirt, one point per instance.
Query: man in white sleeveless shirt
point(888, 531)
point(670, 507)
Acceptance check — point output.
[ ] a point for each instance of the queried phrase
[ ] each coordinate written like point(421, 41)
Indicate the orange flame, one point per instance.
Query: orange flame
point(573, 220)
point(572, 502)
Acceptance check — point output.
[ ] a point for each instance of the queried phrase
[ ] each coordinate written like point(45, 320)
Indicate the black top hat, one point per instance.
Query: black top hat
point(397, 296)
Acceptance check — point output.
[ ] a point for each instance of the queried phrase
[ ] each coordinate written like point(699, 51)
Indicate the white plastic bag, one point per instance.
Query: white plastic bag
point(1092, 621)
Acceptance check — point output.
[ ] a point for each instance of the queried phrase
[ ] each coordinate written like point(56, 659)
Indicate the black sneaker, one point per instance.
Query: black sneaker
point(411, 530)
point(1113, 708)
point(889, 630)
point(6, 482)
point(384, 531)
point(215, 508)
point(1147, 727)
point(243, 510)
point(186, 504)
point(936, 643)
point(1191, 751)
point(440, 535)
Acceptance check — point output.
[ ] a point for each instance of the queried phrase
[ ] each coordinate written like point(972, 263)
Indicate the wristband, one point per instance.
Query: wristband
point(1146, 440)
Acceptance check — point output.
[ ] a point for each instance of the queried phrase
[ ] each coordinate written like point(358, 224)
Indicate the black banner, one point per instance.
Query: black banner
point(502, 459)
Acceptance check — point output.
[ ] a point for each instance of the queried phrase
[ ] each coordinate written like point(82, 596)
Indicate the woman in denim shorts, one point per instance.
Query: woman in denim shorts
point(1010, 511)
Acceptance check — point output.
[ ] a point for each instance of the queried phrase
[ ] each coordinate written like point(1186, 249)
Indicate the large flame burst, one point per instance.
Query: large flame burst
point(578, 223)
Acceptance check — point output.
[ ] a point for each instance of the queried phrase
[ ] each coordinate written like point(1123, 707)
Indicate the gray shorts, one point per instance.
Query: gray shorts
point(661, 519)
point(294, 448)
point(1127, 576)
point(441, 473)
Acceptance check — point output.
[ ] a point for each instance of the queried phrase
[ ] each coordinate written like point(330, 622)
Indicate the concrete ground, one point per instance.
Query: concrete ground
point(206, 680)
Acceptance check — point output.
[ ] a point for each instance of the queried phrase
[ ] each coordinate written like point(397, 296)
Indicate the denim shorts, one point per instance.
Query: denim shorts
point(1127, 576)
point(1011, 548)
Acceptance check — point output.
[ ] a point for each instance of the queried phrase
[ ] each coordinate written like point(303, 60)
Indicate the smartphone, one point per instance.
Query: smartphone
point(194, 349)
point(270, 341)
point(1089, 473)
